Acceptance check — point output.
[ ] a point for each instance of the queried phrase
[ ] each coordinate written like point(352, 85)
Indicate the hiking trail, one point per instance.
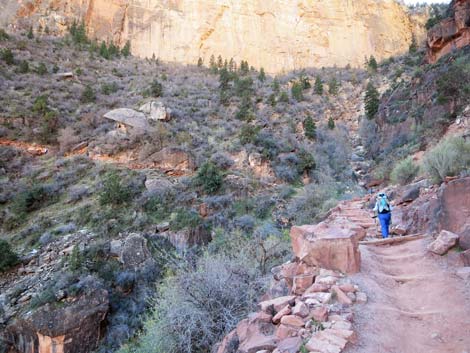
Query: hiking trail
point(416, 303)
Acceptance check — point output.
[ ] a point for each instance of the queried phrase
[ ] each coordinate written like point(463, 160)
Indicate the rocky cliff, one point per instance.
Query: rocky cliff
point(277, 35)
point(451, 34)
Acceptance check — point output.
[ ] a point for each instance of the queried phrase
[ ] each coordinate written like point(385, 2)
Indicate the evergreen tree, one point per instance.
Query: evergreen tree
point(244, 68)
point(213, 64)
point(262, 75)
point(276, 86)
point(305, 81)
point(7, 56)
point(318, 85)
point(200, 62)
point(413, 45)
point(371, 100)
point(104, 50)
point(296, 91)
point(126, 50)
point(231, 65)
point(310, 128)
point(224, 79)
point(331, 123)
point(220, 62)
point(372, 64)
point(333, 86)
point(113, 50)
point(30, 33)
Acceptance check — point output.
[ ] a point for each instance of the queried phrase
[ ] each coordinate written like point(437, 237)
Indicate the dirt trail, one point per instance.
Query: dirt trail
point(416, 303)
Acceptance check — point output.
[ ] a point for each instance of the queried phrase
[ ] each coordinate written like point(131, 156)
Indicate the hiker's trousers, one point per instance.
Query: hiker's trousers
point(385, 219)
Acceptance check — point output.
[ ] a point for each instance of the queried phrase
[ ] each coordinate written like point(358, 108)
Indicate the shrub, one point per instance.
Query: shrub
point(284, 97)
point(30, 34)
point(46, 296)
point(198, 306)
point(306, 161)
point(108, 88)
point(331, 123)
point(32, 199)
point(404, 171)
point(371, 100)
point(76, 260)
point(155, 89)
point(88, 95)
point(318, 87)
point(296, 91)
point(185, 219)
point(262, 75)
point(126, 50)
point(449, 157)
point(41, 69)
point(333, 86)
point(209, 177)
point(249, 134)
point(372, 65)
point(114, 191)
point(78, 33)
point(3, 35)
point(8, 258)
point(23, 68)
point(310, 128)
point(7, 56)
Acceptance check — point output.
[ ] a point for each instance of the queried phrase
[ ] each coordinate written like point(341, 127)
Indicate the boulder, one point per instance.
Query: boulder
point(455, 206)
point(331, 245)
point(465, 256)
point(73, 328)
point(283, 312)
point(292, 320)
point(320, 314)
point(253, 337)
point(134, 251)
point(129, 118)
point(300, 309)
point(289, 345)
point(277, 303)
point(317, 287)
point(464, 238)
point(326, 341)
point(302, 282)
point(341, 296)
point(155, 110)
point(443, 243)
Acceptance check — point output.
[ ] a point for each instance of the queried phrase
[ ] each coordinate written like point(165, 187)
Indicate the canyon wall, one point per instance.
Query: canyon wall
point(278, 35)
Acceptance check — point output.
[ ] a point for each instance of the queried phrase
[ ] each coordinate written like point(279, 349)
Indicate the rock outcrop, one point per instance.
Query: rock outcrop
point(76, 327)
point(277, 35)
point(331, 245)
point(451, 34)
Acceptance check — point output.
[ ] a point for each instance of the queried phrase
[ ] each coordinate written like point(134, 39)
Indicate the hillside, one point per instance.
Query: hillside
point(146, 205)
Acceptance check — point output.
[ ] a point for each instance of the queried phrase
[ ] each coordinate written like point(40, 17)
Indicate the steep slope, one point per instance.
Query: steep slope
point(276, 35)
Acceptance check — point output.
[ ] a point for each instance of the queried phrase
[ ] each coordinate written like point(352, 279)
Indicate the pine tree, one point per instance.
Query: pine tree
point(296, 91)
point(372, 64)
point(413, 45)
point(331, 123)
point(333, 86)
point(104, 50)
point(371, 101)
point(310, 128)
point(262, 75)
point(318, 85)
point(276, 86)
point(231, 65)
point(126, 50)
point(224, 79)
point(220, 62)
point(30, 33)
point(213, 64)
point(200, 62)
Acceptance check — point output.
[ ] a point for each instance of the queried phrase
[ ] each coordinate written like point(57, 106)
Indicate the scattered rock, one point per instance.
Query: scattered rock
point(277, 303)
point(129, 118)
point(341, 296)
point(301, 283)
point(156, 111)
point(317, 287)
point(320, 314)
point(292, 320)
point(443, 243)
point(134, 251)
point(301, 309)
point(283, 312)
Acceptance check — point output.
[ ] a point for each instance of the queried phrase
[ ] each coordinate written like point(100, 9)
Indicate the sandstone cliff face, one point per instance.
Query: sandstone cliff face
point(451, 34)
point(277, 35)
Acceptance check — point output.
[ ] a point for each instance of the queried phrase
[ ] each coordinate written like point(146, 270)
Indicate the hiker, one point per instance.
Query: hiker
point(383, 210)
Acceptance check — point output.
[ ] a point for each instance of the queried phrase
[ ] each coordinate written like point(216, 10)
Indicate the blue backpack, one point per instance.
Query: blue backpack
point(384, 206)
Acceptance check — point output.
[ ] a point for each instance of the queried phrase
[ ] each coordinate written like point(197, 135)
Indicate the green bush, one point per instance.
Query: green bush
point(114, 192)
point(88, 95)
point(108, 88)
point(155, 89)
point(333, 86)
point(3, 35)
point(404, 171)
point(8, 258)
point(331, 123)
point(23, 68)
point(76, 259)
point(296, 91)
point(310, 128)
point(185, 219)
point(209, 178)
point(448, 158)
point(45, 297)
point(318, 87)
point(41, 69)
point(249, 134)
point(7, 56)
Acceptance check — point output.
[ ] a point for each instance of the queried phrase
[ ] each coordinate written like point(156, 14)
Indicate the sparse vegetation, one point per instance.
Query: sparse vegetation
point(404, 171)
point(9, 258)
